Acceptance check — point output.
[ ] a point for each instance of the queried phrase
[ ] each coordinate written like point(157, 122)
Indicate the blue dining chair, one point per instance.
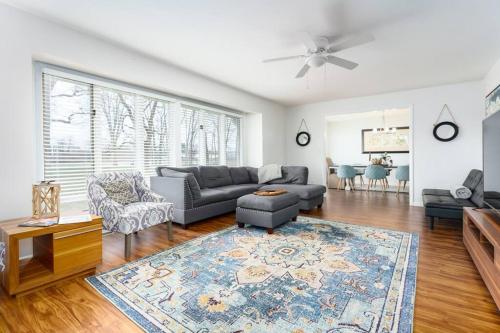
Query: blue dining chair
point(402, 176)
point(376, 173)
point(346, 174)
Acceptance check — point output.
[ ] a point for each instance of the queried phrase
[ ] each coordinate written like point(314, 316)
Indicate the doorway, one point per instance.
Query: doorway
point(368, 141)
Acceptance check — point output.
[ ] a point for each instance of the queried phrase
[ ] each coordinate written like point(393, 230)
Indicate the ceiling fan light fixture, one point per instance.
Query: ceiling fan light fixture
point(316, 60)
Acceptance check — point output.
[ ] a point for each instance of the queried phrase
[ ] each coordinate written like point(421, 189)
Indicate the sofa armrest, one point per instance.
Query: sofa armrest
point(145, 193)
point(173, 189)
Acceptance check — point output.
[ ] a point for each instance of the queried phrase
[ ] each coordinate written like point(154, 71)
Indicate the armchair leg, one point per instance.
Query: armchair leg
point(169, 231)
point(128, 245)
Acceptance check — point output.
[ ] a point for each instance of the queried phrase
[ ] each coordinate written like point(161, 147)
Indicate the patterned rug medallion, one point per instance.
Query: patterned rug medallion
point(309, 276)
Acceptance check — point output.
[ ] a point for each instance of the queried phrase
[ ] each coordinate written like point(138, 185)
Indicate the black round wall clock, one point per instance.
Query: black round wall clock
point(445, 131)
point(303, 138)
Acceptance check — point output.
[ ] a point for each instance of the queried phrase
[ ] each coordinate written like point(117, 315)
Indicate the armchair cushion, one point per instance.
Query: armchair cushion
point(121, 190)
point(473, 179)
point(141, 215)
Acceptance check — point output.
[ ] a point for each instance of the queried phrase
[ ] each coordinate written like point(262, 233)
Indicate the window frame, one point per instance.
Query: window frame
point(176, 101)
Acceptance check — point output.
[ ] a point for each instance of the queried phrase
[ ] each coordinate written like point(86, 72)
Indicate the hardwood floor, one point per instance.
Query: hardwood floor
point(451, 296)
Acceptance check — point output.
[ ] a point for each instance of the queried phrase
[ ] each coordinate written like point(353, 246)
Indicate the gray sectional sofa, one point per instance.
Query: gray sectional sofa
point(206, 191)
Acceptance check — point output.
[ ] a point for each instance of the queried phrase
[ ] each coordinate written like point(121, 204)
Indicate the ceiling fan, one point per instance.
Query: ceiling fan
point(320, 50)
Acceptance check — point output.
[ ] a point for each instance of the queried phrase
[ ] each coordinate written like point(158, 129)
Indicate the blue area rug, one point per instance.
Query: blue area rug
point(309, 276)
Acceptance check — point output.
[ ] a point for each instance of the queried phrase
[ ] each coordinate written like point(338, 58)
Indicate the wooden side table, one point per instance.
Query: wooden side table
point(59, 251)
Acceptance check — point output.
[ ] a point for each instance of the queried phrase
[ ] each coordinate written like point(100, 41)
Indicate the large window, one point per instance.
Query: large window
point(90, 128)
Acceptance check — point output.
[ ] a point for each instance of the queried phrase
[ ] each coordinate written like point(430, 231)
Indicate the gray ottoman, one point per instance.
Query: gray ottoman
point(267, 211)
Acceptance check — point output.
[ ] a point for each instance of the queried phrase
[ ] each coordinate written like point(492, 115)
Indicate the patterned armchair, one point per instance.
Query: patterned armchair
point(2, 256)
point(126, 204)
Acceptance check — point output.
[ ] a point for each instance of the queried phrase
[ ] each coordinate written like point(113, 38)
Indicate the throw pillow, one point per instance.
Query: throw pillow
point(121, 191)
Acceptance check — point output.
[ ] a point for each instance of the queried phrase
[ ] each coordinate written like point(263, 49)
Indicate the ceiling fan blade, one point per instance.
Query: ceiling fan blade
point(341, 62)
point(283, 58)
point(302, 71)
point(309, 42)
point(354, 41)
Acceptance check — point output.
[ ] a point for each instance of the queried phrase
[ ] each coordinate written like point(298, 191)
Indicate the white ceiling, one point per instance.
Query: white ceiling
point(418, 42)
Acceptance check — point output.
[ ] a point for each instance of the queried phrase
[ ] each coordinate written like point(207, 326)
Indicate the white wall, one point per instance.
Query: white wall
point(436, 164)
point(26, 38)
point(343, 142)
point(492, 78)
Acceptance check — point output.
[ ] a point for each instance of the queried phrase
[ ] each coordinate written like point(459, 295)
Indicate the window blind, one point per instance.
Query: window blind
point(67, 140)
point(90, 128)
point(157, 133)
point(232, 137)
point(211, 139)
point(190, 130)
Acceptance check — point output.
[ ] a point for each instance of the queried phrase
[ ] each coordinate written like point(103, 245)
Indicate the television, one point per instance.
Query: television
point(491, 162)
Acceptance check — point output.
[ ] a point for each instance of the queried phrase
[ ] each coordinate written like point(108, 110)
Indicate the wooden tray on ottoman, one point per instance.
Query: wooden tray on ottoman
point(270, 193)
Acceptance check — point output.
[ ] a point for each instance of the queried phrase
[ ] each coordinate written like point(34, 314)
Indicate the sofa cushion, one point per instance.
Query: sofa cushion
point(194, 170)
point(215, 176)
point(239, 175)
point(121, 190)
point(305, 192)
point(448, 202)
point(267, 203)
point(478, 194)
point(191, 179)
point(473, 179)
point(434, 191)
point(210, 195)
point(254, 174)
point(236, 191)
point(292, 175)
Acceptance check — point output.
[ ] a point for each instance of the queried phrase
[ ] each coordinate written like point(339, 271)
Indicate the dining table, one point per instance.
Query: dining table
point(361, 168)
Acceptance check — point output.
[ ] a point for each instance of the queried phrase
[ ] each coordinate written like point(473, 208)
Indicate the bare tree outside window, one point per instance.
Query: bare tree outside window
point(190, 128)
point(232, 141)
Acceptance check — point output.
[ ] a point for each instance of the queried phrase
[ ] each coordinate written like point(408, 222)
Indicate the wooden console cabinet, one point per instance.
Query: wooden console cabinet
point(482, 239)
point(59, 252)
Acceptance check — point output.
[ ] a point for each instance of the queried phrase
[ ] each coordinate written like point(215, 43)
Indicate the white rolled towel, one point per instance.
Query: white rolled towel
point(461, 192)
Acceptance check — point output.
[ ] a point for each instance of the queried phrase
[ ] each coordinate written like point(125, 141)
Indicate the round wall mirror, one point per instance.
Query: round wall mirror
point(445, 131)
point(303, 138)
